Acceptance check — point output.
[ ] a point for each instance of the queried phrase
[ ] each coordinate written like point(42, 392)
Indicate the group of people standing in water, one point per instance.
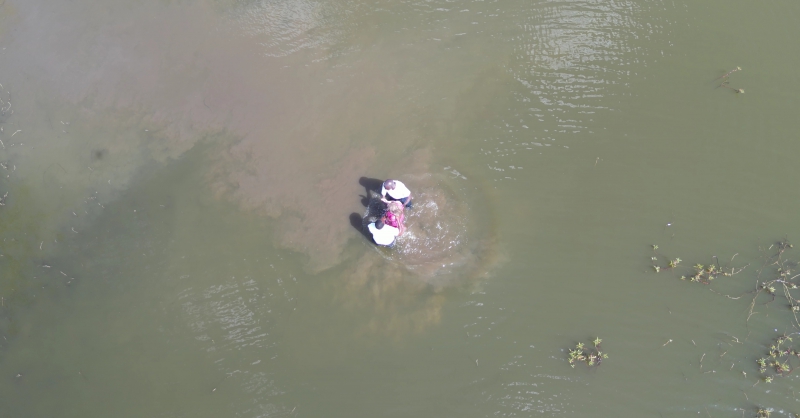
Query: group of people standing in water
point(396, 198)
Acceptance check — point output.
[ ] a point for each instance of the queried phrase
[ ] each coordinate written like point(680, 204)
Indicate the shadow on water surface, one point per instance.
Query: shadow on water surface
point(370, 185)
point(357, 221)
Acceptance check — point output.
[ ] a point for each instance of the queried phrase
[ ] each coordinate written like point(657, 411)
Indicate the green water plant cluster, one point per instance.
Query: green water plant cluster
point(779, 276)
point(777, 279)
point(706, 273)
point(781, 360)
point(592, 355)
point(766, 412)
point(700, 273)
point(673, 263)
point(763, 412)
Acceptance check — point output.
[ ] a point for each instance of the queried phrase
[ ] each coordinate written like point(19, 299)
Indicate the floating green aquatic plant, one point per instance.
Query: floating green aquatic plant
point(781, 360)
point(763, 412)
point(591, 355)
point(702, 273)
point(673, 263)
point(778, 277)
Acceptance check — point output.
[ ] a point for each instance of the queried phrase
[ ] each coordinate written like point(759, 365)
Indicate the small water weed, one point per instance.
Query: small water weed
point(781, 360)
point(763, 412)
point(781, 279)
point(777, 279)
point(591, 355)
point(702, 273)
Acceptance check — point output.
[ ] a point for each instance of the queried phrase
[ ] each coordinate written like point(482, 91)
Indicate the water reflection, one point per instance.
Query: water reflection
point(572, 61)
point(286, 27)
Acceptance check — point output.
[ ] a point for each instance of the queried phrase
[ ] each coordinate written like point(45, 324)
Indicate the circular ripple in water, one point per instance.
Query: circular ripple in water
point(444, 240)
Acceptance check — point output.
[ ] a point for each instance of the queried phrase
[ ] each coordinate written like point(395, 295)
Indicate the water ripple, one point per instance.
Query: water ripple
point(573, 61)
point(291, 26)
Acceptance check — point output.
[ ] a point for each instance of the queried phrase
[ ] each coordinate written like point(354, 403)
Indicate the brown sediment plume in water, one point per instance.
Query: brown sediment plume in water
point(397, 304)
point(450, 243)
point(305, 129)
point(312, 207)
point(314, 221)
point(395, 299)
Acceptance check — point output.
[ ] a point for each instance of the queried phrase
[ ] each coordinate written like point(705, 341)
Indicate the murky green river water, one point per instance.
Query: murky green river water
point(181, 181)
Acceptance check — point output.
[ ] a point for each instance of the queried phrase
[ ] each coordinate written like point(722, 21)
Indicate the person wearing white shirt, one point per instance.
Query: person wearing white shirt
point(383, 234)
point(396, 191)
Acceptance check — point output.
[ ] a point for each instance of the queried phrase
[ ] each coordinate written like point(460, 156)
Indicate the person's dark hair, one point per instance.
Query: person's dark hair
point(388, 184)
point(379, 223)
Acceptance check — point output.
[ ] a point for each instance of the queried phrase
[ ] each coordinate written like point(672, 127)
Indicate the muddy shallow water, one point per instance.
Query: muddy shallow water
point(185, 182)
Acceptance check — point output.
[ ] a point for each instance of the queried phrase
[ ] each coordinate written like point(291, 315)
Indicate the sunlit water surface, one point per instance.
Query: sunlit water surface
point(185, 182)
